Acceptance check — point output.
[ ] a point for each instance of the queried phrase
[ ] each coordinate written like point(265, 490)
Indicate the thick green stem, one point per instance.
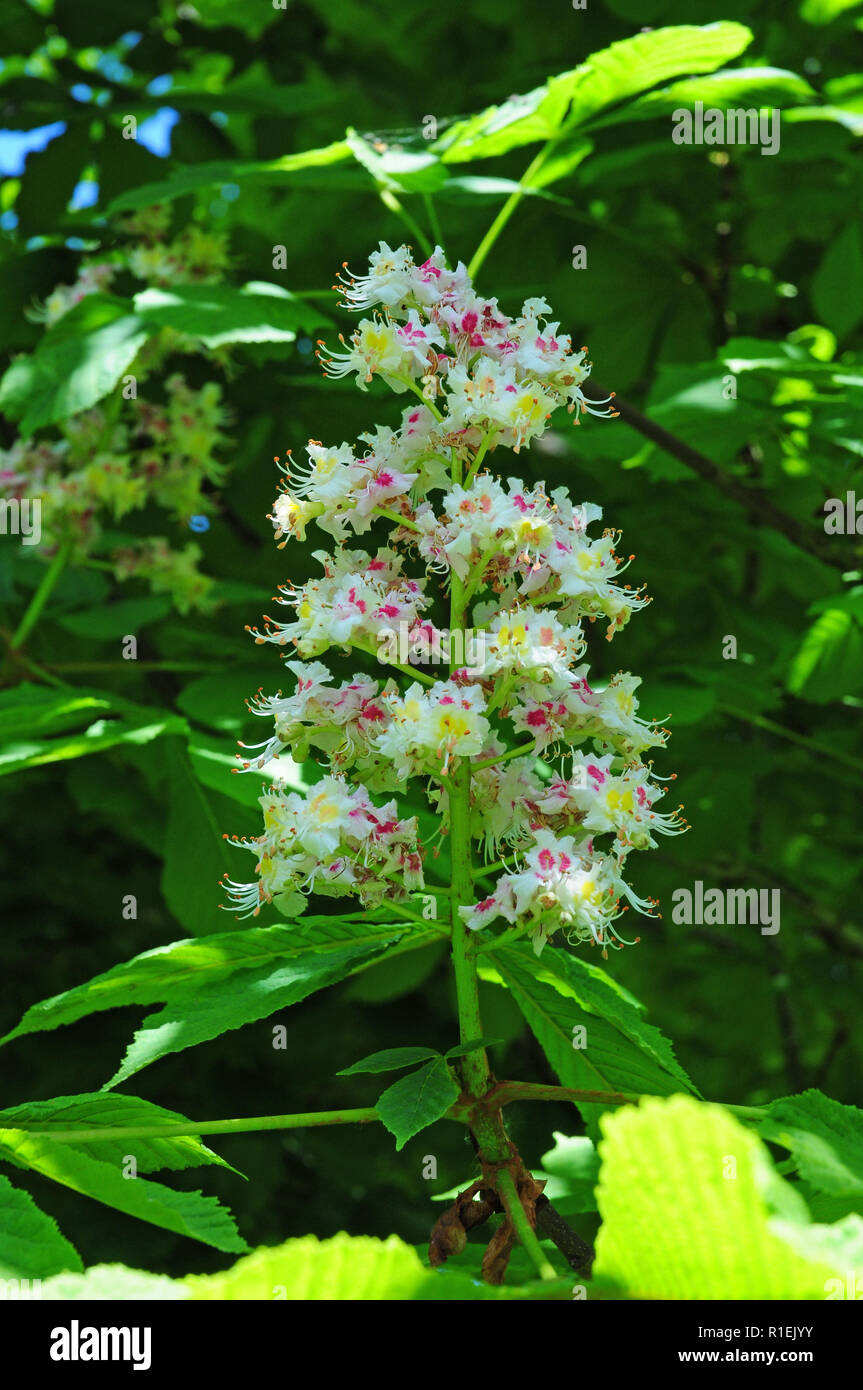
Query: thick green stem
point(41, 596)
point(508, 1091)
point(475, 1068)
point(488, 1129)
point(521, 1225)
point(190, 1127)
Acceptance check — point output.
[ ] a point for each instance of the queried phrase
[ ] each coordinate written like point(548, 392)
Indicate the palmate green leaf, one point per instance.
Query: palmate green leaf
point(633, 65)
point(31, 1246)
point(598, 993)
point(842, 115)
point(120, 722)
point(568, 152)
point(190, 965)
point(217, 701)
point(610, 76)
point(397, 974)
point(102, 1110)
point(116, 619)
point(187, 1213)
point(837, 286)
point(829, 661)
point(216, 768)
point(214, 14)
point(752, 87)
point(466, 1048)
point(691, 1207)
point(839, 1245)
point(217, 983)
point(416, 1101)
point(113, 1283)
point(258, 312)
point(825, 11)
point(687, 703)
point(825, 1139)
point(36, 709)
point(522, 120)
point(573, 1167)
point(308, 1270)
point(189, 179)
point(611, 1060)
point(349, 1268)
point(70, 371)
point(194, 837)
point(400, 171)
point(477, 188)
point(391, 1059)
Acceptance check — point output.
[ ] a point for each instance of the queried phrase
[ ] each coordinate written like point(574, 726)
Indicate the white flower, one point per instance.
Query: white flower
point(389, 349)
point(428, 728)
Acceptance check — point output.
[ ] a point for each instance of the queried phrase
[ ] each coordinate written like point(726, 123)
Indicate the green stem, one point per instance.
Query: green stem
point(823, 751)
point(420, 394)
point(501, 692)
point(506, 212)
point(41, 673)
point(490, 869)
point(508, 1091)
point(476, 1072)
point(395, 665)
point(390, 201)
point(41, 596)
point(510, 753)
point(252, 1125)
point(476, 578)
point(121, 665)
point(394, 516)
point(505, 1092)
point(521, 1225)
point(488, 443)
point(400, 911)
point(434, 221)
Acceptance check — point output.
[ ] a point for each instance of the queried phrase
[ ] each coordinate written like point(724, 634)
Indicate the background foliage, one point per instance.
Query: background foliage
point(702, 265)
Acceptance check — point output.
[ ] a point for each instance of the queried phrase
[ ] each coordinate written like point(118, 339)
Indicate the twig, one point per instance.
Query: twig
point(576, 1251)
point(521, 1224)
point(753, 501)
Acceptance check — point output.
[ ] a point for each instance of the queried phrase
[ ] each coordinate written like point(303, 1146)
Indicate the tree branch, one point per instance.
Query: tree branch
point(576, 1251)
point(755, 502)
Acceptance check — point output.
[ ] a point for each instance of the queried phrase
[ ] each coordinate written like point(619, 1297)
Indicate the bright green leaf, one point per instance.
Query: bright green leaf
point(31, 1246)
point(416, 1101)
point(391, 1059)
point(186, 1213)
point(687, 1196)
point(825, 1139)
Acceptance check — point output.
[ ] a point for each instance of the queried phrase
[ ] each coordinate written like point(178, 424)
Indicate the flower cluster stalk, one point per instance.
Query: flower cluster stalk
point(533, 770)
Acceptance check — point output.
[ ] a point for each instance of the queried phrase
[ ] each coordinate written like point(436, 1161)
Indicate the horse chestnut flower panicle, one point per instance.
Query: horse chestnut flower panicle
point(550, 761)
